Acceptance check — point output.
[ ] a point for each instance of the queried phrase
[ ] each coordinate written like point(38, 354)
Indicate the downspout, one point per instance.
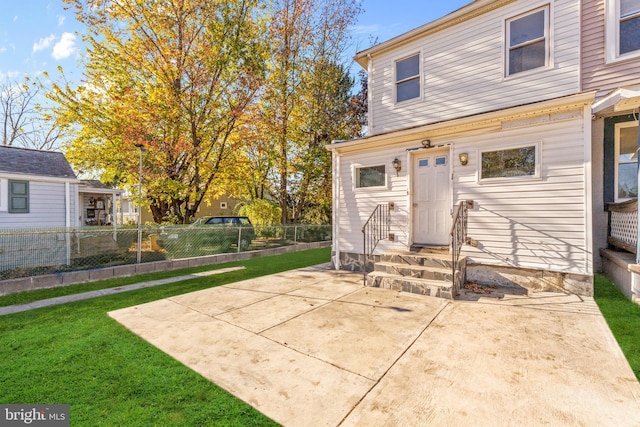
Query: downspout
point(369, 95)
point(67, 221)
point(67, 204)
point(336, 207)
point(114, 219)
point(588, 197)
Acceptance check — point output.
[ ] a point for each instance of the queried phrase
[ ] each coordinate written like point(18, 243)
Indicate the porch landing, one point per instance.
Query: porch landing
point(621, 268)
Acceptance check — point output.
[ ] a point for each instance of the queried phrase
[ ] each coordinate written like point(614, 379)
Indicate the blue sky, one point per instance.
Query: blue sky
point(39, 35)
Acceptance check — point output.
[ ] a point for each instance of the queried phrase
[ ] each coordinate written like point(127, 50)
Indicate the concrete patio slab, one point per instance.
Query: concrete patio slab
point(364, 332)
point(371, 357)
point(509, 363)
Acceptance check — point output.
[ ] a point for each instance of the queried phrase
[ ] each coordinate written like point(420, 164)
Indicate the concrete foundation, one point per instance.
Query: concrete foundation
point(530, 279)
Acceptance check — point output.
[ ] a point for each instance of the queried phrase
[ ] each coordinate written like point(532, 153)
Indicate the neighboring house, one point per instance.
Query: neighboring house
point(37, 189)
point(611, 66)
point(482, 105)
point(40, 189)
point(127, 211)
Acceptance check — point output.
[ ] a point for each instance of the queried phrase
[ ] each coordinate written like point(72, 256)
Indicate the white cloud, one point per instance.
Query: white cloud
point(61, 19)
point(3, 49)
point(15, 18)
point(43, 43)
point(11, 75)
point(65, 47)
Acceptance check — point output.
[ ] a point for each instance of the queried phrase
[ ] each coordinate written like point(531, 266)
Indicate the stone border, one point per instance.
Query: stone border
point(47, 281)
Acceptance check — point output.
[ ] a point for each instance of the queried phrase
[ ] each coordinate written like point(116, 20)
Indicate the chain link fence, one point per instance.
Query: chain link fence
point(32, 252)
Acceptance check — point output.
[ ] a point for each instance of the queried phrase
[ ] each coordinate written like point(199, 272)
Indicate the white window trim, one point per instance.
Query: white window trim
point(395, 80)
point(616, 140)
point(548, 36)
point(4, 195)
point(537, 176)
point(354, 173)
point(612, 34)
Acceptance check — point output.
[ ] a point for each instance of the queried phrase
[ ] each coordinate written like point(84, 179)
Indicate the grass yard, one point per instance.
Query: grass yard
point(623, 318)
point(75, 354)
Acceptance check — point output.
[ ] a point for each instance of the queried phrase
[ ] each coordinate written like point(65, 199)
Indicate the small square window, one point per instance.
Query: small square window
point(371, 176)
point(423, 163)
point(408, 78)
point(527, 41)
point(223, 205)
point(441, 161)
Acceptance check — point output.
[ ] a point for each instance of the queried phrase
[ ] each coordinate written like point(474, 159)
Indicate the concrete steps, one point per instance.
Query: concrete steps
point(425, 272)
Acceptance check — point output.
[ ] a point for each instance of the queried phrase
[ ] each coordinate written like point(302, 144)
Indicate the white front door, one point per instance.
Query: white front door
point(431, 198)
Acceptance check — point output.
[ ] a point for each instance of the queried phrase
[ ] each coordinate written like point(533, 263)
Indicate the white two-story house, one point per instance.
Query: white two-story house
point(481, 112)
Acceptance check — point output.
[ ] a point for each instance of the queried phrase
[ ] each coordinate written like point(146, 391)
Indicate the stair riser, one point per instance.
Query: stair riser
point(423, 261)
point(421, 273)
point(406, 285)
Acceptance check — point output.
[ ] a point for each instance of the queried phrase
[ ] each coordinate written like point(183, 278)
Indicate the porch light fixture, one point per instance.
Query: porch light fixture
point(464, 158)
point(426, 143)
point(397, 165)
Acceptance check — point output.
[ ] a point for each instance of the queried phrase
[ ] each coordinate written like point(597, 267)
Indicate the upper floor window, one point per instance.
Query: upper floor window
point(408, 78)
point(623, 29)
point(629, 19)
point(527, 41)
point(18, 196)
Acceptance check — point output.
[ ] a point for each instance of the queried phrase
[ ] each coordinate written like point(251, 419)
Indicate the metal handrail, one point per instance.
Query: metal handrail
point(376, 228)
point(458, 238)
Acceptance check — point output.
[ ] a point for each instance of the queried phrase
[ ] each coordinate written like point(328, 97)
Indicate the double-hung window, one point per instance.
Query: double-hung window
point(629, 26)
point(18, 196)
point(408, 78)
point(622, 29)
point(527, 41)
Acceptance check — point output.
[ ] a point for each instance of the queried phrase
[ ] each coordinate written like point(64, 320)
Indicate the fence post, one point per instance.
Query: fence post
point(295, 234)
point(239, 238)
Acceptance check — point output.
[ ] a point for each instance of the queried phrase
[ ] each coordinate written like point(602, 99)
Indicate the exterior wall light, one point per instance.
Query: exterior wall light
point(464, 158)
point(397, 165)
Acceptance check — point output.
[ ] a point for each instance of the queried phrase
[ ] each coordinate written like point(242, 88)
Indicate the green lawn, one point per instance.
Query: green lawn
point(623, 318)
point(75, 354)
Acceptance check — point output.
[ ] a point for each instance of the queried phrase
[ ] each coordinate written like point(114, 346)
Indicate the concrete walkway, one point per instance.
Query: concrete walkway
point(17, 308)
point(312, 347)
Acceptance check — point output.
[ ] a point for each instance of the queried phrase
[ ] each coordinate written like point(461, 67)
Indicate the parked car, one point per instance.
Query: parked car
point(209, 234)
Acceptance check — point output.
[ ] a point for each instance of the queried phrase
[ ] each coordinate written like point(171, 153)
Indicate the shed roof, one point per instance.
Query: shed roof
point(34, 162)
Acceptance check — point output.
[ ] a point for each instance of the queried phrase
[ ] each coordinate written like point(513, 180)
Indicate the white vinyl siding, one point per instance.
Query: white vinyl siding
point(463, 69)
point(355, 205)
point(539, 224)
point(46, 207)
